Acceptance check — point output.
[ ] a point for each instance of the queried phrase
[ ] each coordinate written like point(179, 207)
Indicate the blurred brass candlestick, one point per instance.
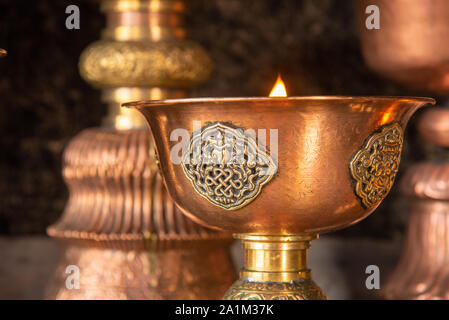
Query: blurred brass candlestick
point(143, 53)
point(278, 196)
point(120, 227)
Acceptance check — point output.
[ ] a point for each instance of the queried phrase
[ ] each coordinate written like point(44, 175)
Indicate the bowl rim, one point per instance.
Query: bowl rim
point(217, 100)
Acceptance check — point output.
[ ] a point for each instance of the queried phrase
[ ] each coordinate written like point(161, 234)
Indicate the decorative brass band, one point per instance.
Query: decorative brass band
point(305, 289)
point(226, 166)
point(376, 163)
point(145, 64)
point(143, 51)
point(275, 269)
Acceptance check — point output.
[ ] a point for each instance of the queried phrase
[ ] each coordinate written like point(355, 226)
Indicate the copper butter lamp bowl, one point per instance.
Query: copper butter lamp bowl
point(325, 163)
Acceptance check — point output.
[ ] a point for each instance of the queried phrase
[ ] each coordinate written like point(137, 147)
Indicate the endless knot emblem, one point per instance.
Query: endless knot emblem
point(226, 166)
point(375, 165)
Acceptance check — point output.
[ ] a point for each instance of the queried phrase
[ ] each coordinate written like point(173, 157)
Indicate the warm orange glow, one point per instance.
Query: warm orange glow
point(278, 89)
point(385, 118)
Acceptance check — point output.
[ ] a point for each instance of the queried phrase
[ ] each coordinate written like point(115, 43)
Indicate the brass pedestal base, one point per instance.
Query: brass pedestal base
point(275, 269)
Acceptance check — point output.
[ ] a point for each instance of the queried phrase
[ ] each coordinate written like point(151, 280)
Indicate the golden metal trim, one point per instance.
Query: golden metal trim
point(275, 268)
point(213, 102)
point(177, 65)
point(218, 176)
point(376, 163)
point(304, 289)
point(143, 5)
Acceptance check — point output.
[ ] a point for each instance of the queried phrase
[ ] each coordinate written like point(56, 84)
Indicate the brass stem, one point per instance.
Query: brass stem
point(143, 55)
point(275, 258)
point(141, 21)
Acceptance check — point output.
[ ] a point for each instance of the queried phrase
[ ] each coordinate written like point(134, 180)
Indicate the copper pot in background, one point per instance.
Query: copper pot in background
point(411, 46)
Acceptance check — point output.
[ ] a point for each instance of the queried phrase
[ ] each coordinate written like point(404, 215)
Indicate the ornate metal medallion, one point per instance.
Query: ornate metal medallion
point(375, 165)
point(227, 166)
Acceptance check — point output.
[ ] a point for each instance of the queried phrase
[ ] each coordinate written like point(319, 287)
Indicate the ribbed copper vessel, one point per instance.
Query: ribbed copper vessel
point(117, 198)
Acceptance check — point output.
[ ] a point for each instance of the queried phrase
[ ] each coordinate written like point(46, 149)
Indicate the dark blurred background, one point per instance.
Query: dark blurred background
point(43, 101)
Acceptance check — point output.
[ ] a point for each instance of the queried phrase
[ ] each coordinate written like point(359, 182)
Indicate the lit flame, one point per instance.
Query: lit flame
point(278, 89)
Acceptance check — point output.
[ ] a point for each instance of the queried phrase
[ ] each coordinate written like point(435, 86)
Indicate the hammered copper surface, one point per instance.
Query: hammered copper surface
point(312, 190)
point(169, 274)
point(411, 45)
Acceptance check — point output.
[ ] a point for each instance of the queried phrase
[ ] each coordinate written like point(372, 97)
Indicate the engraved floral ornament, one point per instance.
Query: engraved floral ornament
point(375, 165)
point(227, 166)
